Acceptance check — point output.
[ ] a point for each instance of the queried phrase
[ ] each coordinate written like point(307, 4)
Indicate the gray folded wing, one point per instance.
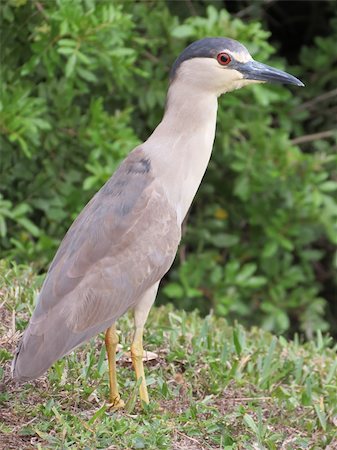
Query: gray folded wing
point(123, 241)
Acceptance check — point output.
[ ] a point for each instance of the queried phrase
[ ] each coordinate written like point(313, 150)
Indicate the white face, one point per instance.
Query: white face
point(209, 74)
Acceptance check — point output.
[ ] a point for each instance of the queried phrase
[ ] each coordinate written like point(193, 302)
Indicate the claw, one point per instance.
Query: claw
point(116, 403)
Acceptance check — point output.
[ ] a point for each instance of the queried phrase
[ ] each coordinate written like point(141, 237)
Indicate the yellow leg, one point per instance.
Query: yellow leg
point(111, 342)
point(137, 360)
point(141, 312)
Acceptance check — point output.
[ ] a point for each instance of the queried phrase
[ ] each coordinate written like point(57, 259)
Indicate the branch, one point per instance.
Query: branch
point(313, 137)
point(151, 57)
point(191, 7)
point(318, 99)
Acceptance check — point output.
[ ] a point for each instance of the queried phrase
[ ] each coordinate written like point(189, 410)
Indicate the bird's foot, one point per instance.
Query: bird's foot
point(116, 402)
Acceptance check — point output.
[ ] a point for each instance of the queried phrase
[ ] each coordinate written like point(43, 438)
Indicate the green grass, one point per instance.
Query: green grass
point(212, 386)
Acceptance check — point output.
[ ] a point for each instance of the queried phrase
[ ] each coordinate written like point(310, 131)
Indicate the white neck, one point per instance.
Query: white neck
point(181, 145)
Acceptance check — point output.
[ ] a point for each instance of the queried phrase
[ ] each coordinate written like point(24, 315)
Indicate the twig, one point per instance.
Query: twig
point(191, 7)
point(318, 99)
point(2, 303)
point(313, 137)
point(151, 57)
point(18, 427)
point(249, 399)
point(41, 10)
point(188, 437)
point(244, 11)
point(248, 9)
point(13, 321)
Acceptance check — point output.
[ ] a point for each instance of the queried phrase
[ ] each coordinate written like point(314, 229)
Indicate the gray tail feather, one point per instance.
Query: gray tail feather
point(17, 351)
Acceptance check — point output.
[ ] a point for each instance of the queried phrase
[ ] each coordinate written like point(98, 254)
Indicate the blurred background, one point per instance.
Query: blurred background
point(84, 81)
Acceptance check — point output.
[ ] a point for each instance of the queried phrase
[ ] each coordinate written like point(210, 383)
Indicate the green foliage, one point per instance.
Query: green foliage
point(211, 386)
point(84, 81)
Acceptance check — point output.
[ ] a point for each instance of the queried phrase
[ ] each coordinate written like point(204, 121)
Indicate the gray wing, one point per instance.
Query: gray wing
point(123, 241)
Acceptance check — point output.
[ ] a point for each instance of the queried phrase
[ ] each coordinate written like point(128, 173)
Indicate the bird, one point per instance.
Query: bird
point(124, 241)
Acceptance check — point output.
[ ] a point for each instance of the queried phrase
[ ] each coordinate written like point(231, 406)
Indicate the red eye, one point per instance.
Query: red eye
point(223, 58)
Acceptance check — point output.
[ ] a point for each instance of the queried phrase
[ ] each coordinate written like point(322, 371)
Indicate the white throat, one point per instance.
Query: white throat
point(181, 146)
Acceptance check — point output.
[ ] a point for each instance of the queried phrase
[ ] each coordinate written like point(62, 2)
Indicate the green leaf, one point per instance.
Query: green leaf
point(173, 290)
point(256, 282)
point(269, 249)
point(20, 210)
point(70, 66)
point(67, 43)
point(241, 188)
point(246, 271)
point(249, 421)
point(86, 74)
point(89, 182)
point(237, 341)
point(3, 227)
point(65, 50)
point(328, 186)
point(224, 240)
point(139, 442)
point(182, 31)
point(267, 362)
point(321, 416)
point(29, 226)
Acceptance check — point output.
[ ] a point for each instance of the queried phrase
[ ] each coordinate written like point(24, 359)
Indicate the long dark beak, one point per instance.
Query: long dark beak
point(253, 70)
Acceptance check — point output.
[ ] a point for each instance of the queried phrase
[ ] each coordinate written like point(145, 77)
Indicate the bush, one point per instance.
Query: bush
point(85, 81)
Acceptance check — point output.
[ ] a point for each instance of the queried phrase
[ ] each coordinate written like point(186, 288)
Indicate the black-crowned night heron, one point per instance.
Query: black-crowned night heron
point(125, 239)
